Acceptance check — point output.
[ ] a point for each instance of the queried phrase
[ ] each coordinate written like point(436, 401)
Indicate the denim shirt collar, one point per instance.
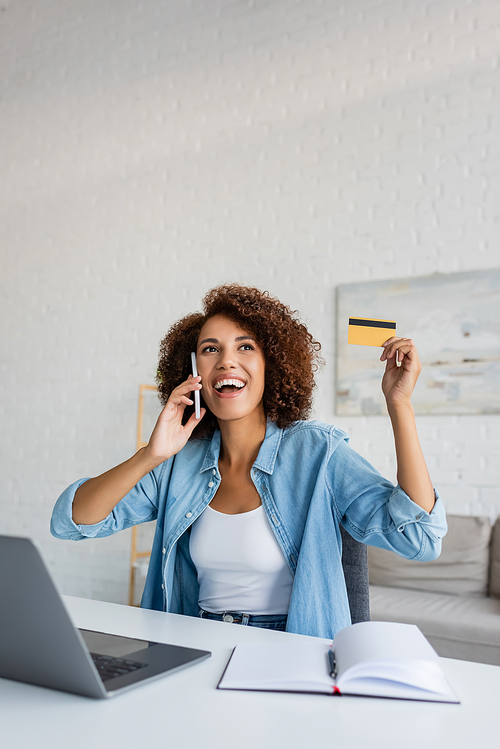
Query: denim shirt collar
point(265, 459)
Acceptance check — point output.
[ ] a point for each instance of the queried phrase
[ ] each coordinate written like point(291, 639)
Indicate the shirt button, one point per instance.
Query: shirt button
point(162, 587)
point(211, 484)
point(189, 514)
point(213, 471)
point(163, 551)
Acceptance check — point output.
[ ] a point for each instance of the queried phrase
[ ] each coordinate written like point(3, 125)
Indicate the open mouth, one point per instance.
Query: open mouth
point(228, 386)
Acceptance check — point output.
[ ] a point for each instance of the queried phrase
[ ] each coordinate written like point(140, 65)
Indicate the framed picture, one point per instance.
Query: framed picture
point(454, 320)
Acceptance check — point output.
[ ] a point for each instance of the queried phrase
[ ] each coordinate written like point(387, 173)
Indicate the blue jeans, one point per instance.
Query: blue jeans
point(265, 621)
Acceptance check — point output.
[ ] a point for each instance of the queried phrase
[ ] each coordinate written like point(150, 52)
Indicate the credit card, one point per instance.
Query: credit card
point(365, 331)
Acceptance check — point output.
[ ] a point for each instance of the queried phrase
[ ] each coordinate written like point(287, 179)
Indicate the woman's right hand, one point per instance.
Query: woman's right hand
point(169, 435)
point(96, 497)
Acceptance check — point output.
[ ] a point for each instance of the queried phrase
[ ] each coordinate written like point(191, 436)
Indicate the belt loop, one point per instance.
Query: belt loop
point(244, 619)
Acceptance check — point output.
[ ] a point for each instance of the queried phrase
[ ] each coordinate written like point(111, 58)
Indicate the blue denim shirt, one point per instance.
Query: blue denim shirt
point(309, 481)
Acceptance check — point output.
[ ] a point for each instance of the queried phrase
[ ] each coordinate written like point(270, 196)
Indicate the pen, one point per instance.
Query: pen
point(332, 663)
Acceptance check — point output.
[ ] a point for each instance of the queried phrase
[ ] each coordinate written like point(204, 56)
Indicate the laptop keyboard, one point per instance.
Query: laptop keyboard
point(110, 667)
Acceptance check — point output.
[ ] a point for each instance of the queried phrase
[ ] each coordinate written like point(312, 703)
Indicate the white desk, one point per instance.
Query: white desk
point(185, 710)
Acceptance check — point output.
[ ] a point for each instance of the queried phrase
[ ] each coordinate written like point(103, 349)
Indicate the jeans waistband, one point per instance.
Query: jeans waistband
point(238, 617)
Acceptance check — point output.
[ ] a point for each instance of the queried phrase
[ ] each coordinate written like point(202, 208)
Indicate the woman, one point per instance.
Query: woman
point(249, 497)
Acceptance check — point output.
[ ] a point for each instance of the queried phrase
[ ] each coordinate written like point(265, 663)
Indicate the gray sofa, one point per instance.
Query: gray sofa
point(454, 600)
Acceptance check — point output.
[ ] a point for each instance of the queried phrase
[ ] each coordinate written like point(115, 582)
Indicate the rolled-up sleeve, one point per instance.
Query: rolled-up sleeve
point(415, 524)
point(140, 505)
point(376, 512)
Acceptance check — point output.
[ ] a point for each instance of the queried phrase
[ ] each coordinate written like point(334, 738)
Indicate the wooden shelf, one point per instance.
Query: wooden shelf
point(134, 553)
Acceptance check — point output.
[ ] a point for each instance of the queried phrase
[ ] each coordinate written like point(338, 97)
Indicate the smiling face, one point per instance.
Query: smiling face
point(232, 368)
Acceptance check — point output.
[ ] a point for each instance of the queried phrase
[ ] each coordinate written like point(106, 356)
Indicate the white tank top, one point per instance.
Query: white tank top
point(239, 563)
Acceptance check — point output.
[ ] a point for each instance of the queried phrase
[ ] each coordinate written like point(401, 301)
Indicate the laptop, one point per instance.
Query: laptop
point(40, 645)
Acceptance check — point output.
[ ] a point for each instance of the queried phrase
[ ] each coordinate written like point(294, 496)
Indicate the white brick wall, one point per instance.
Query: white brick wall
point(151, 150)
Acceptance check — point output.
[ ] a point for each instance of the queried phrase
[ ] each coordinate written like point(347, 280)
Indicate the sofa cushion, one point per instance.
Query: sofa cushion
point(461, 570)
point(465, 628)
point(495, 560)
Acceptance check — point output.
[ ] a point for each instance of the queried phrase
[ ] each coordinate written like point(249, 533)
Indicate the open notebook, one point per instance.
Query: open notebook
point(372, 659)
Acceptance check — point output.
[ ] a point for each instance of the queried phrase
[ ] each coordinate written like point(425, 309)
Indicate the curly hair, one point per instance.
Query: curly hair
point(290, 352)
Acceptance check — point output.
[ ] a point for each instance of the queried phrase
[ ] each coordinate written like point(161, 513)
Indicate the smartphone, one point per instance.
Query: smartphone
point(196, 392)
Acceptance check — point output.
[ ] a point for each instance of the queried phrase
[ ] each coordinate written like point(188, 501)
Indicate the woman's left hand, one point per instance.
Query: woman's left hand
point(399, 381)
